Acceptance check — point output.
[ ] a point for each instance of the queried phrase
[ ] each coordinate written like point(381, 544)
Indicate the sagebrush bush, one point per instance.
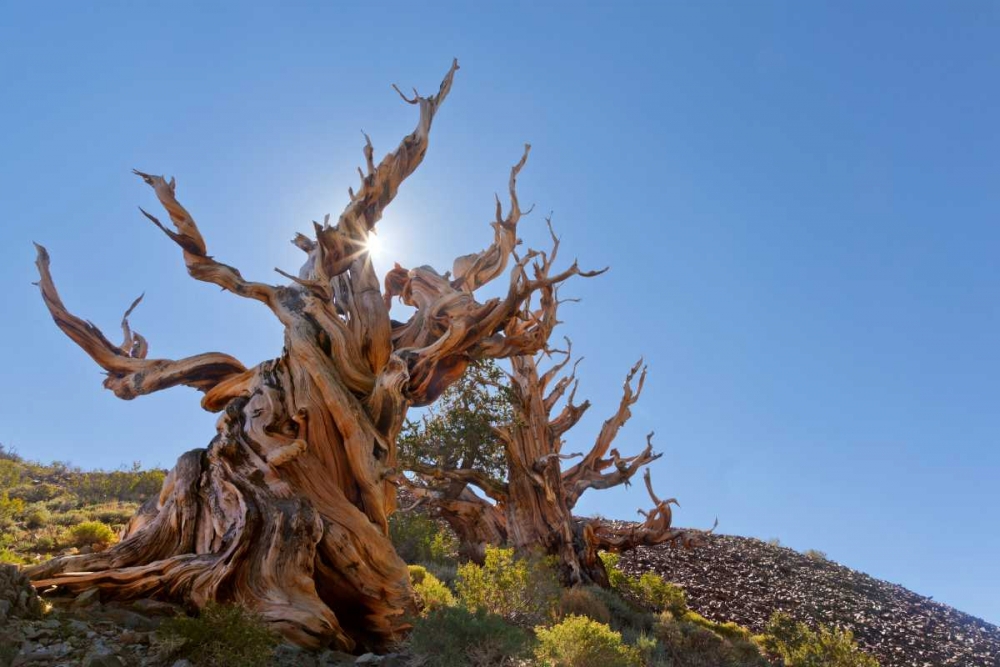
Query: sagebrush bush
point(458, 637)
point(654, 592)
point(617, 578)
point(8, 556)
point(579, 641)
point(815, 554)
point(92, 534)
point(36, 517)
point(521, 590)
point(701, 643)
point(677, 638)
point(220, 636)
point(648, 648)
point(70, 518)
point(625, 615)
point(431, 593)
point(36, 493)
point(9, 509)
point(800, 646)
point(727, 630)
point(46, 543)
point(650, 590)
point(112, 514)
point(446, 572)
point(419, 539)
point(10, 474)
point(582, 601)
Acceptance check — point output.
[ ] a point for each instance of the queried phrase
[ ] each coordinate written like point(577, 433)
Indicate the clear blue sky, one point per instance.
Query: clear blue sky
point(799, 203)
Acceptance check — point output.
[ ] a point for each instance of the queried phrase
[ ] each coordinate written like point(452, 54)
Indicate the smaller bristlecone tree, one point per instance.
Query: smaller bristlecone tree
point(528, 504)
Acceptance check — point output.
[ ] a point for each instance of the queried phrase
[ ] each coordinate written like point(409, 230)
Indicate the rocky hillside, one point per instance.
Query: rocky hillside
point(55, 509)
point(745, 580)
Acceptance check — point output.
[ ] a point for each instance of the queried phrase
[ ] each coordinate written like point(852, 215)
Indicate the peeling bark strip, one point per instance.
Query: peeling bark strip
point(533, 509)
point(286, 510)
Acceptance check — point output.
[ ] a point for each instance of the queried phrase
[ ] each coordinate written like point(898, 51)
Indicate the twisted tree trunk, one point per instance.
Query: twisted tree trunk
point(286, 509)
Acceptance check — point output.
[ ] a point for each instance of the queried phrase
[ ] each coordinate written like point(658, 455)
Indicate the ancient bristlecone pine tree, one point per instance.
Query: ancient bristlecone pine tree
point(531, 506)
point(286, 509)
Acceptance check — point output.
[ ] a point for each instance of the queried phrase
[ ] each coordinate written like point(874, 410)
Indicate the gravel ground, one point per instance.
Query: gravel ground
point(745, 580)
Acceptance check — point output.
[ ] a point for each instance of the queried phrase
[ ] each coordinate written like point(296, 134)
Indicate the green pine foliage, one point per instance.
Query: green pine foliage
point(458, 431)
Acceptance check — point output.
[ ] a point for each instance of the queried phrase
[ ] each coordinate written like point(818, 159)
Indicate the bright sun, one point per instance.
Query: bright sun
point(374, 246)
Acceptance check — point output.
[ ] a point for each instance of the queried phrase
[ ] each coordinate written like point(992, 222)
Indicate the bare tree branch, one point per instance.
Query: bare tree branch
point(492, 488)
point(200, 264)
point(656, 529)
point(130, 374)
point(624, 468)
point(595, 462)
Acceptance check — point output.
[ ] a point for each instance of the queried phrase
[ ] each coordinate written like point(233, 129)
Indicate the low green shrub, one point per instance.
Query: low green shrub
point(36, 493)
point(10, 508)
point(521, 590)
point(690, 644)
point(650, 590)
point(583, 601)
point(8, 556)
point(625, 615)
point(618, 579)
point(45, 544)
point(648, 648)
point(113, 515)
point(36, 517)
point(431, 593)
point(582, 642)
point(10, 473)
point(801, 646)
point(446, 572)
point(70, 518)
point(420, 539)
point(220, 636)
point(92, 534)
point(457, 637)
point(654, 592)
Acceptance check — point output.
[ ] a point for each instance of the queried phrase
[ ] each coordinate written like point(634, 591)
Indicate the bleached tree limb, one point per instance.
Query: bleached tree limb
point(130, 374)
point(595, 461)
point(200, 264)
point(492, 488)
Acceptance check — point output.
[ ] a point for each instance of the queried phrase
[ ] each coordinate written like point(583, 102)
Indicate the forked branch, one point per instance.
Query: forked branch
point(130, 374)
point(595, 460)
point(200, 264)
point(655, 529)
point(623, 468)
